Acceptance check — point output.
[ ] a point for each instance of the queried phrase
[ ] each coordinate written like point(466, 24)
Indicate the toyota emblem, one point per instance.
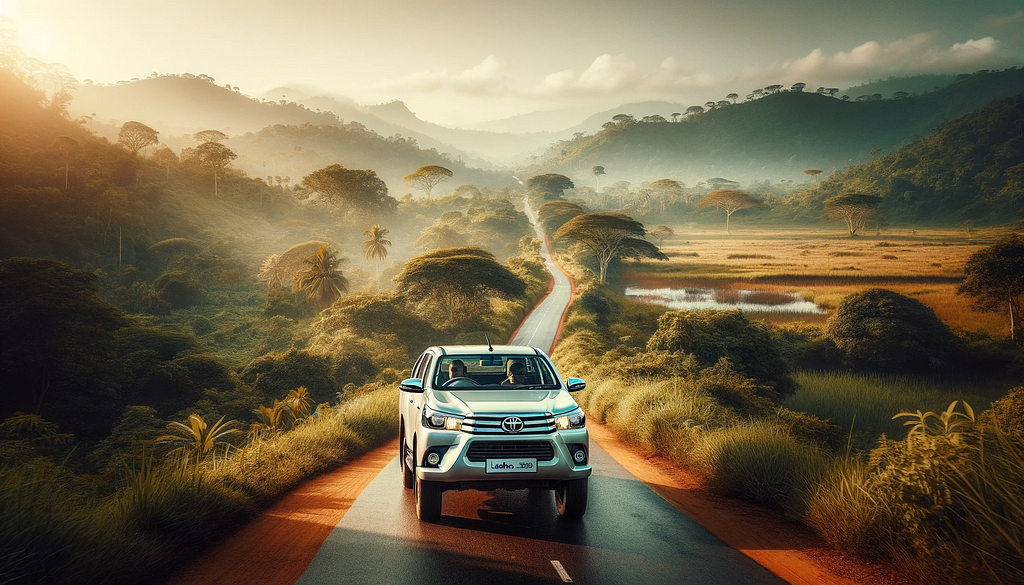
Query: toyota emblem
point(512, 424)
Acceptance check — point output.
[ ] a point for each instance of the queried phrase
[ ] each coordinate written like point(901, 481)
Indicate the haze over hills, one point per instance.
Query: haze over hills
point(969, 169)
point(775, 137)
point(177, 105)
point(913, 84)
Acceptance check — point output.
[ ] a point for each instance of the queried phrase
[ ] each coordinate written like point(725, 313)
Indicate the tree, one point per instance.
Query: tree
point(135, 136)
point(881, 329)
point(459, 282)
point(694, 110)
point(428, 177)
point(666, 191)
point(655, 118)
point(675, 116)
point(814, 173)
point(320, 278)
point(875, 152)
point(716, 183)
point(623, 118)
point(609, 235)
point(165, 156)
point(660, 232)
point(995, 276)
point(351, 192)
point(212, 155)
point(798, 87)
point(855, 209)
point(553, 215)
point(733, 97)
point(730, 201)
point(375, 248)
point(209, 136)
point(65, 145)
point(271, 272)
point(550, 186)
point(441, 235)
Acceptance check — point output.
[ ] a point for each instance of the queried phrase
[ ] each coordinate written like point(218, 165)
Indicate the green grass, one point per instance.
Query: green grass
point(52, 531)
point(867, 402)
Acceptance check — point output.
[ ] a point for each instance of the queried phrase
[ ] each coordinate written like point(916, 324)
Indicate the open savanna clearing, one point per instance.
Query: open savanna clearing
point(825, 265)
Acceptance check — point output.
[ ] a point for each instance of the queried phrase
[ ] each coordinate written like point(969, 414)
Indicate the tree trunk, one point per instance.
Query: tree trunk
point(215, 196)
point(66, 165)
point(604, 266)
point(728, 214)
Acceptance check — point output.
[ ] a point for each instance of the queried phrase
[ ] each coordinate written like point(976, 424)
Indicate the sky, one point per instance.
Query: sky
point(457, 62)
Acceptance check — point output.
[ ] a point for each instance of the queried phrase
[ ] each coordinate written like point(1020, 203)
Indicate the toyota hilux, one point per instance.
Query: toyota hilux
point(492, 417)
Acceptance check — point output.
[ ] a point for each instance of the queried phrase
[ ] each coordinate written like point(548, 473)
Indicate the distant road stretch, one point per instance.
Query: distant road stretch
point(541, 326)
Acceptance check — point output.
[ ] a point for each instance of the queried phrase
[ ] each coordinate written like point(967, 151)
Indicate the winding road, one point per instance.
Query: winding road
point(630, 533)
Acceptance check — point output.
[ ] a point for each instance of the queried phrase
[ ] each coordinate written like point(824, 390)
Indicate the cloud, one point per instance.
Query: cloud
point(611, 75)
point(486, 78)
point(608, 75)
point(1005, 22)
point(918, 53)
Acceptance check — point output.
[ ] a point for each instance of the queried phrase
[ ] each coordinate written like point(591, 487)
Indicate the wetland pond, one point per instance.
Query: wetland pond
point(749, 301)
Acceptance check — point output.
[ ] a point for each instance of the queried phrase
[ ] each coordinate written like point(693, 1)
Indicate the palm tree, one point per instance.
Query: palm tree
point(375, 248)
point(272, 272)
point(321, 279)
point(197, 437)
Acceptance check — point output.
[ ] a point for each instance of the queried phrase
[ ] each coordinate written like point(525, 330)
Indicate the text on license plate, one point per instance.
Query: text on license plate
point(513, 465)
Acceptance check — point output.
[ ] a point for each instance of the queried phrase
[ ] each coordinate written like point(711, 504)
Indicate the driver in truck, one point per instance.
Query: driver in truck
point(456, 369)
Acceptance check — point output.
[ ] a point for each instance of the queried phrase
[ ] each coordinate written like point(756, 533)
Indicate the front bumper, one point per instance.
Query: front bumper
point(456, 471)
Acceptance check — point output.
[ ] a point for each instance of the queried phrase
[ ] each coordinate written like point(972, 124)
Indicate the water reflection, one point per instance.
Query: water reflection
point(753, 301)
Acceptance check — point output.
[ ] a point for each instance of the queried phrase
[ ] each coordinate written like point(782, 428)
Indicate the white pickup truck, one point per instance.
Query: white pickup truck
point(492, 417)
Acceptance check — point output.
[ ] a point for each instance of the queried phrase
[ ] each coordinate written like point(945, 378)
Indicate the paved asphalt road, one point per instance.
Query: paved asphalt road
point(629, 534)
point(541, 325)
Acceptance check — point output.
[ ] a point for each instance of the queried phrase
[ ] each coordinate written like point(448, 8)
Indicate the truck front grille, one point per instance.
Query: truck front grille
point(484, 450)
point(491, 424)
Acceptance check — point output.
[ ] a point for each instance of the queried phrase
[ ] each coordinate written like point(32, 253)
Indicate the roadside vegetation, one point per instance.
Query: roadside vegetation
point(183, 344)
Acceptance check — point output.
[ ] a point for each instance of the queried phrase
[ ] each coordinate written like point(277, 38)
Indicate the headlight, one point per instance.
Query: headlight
point(571, 420)
point(433, 419)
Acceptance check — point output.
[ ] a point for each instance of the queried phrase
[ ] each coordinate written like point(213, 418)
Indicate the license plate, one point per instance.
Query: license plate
point(514, 465)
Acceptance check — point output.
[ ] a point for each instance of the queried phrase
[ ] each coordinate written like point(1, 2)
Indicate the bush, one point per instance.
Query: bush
point(275, 374)
point(712, 335)
point(1008, 412)
point(178, 289)
point(878, 329)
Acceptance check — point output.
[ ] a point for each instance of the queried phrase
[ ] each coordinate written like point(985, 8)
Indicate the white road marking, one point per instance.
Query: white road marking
point(561, 572)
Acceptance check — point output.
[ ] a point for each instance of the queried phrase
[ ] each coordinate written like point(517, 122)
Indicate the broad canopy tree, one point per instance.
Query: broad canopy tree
point(212, 155)
point(854, 209)
point(609, 235)
point(730, 201)
point(351, 192)
point(553, 214)
point(459, 282)
point(427, 177)
point(660, 232)
point(135, 136)
point(550, 186)
point(995, 277)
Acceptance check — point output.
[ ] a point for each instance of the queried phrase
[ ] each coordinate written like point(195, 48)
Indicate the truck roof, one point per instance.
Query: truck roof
point(483, 349)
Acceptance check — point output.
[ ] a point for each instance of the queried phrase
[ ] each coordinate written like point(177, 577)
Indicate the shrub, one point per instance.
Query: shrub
point(178, 289)
point(274, 374)
point(712, 335)
point(1008, 412)
point(880, 329)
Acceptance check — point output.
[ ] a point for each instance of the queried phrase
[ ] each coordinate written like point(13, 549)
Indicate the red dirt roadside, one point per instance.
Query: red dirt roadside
point(277, 546)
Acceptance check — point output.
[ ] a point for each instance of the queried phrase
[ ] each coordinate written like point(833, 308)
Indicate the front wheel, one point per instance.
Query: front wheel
point(408, 474)
point(571, 498)
point(428, 500)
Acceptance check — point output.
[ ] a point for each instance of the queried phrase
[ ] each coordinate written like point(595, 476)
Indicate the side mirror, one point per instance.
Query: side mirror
point(575, 384)
point(411, 385)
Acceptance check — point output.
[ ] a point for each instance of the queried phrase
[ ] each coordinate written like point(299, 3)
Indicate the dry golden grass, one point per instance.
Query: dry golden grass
point(827, 265)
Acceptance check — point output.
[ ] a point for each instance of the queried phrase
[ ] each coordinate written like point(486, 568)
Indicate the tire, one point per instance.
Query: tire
point(571, 498)
point(428, 500)
point(408, 475)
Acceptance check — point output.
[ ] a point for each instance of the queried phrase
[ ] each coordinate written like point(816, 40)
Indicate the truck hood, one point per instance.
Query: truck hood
point(468, 402)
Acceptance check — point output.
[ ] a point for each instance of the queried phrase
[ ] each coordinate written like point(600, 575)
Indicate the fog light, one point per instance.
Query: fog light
point(433, 458)
point(579, 456)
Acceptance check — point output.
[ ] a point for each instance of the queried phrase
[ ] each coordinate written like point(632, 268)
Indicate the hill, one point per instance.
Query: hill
point(184, 104)
point(969, 169)
point(911, 84)
point(775, 137)
point(296, 151)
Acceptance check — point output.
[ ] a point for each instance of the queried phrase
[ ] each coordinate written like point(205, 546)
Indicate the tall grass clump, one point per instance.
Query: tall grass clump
point(867, 402)
point(761, 462)
point(171, 508)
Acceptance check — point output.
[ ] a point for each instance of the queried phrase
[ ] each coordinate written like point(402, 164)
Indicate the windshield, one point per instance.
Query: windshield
point(494, 371)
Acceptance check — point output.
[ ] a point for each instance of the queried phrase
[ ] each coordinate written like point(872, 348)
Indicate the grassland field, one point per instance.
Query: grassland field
point(824, 265)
